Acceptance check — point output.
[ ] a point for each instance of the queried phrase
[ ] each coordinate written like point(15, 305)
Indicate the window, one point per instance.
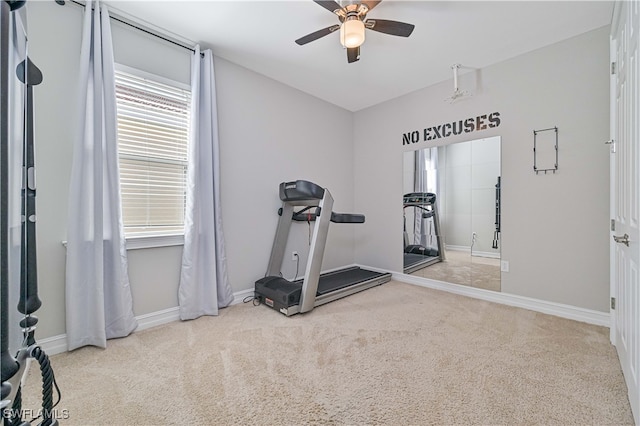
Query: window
point(153, 135)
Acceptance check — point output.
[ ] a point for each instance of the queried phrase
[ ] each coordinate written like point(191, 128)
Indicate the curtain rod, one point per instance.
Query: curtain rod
point(144, 30)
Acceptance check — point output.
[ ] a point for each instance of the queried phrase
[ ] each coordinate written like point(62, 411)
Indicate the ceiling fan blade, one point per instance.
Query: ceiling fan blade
point(317, 34)
point(353, 54)
point(330, 5)
point(371, 3)
point(396, 28)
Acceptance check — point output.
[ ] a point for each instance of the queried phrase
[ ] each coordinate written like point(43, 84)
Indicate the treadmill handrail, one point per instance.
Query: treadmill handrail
point(304, 216)
point(347, 217)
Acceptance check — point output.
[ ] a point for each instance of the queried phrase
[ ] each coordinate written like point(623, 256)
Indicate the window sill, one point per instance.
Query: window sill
point(150, 241)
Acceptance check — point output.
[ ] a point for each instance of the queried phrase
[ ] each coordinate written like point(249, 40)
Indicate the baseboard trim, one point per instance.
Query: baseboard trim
point(241, 296)
point(58, 344)
point(486, 254)
point(458, 248)
point(154, 319)
point(558, 309)
point(54, 345)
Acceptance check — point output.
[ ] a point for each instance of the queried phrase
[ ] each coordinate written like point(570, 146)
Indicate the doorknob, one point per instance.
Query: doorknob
point(624, 239)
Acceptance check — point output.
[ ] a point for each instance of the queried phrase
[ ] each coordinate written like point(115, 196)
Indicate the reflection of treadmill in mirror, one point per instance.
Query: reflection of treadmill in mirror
point(315, 289)
point(418, 256)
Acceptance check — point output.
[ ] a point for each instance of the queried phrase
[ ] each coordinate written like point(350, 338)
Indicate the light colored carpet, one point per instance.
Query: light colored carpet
point(462, 268)
point(396, 354)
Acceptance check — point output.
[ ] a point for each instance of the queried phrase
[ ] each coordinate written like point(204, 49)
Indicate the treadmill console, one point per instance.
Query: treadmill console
point(419, 198)
point(300, 190)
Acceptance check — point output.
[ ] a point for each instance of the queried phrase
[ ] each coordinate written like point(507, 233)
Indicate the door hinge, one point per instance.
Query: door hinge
point(611, 142)
point(613, 68)
point(613, 303)
point(613, 224)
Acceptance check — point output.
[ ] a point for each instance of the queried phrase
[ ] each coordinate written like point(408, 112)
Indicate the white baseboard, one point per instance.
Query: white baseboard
point(458, 248)
point(58, 344)
point(240, 296)
point(489, 254)
point(558, 309)
point(154, 319)
point(54, 345)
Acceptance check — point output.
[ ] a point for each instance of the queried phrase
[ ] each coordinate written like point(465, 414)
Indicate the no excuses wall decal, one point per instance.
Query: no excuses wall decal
point(473, 124)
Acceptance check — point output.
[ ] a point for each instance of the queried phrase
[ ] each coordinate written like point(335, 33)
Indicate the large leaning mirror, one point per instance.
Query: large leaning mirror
point(452, 206)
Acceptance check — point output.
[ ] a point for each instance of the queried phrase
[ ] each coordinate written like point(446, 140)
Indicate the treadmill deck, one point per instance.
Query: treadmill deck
point(331, 286)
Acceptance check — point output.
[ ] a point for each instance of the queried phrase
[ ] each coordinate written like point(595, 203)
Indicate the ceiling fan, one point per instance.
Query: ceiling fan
point(353, 23)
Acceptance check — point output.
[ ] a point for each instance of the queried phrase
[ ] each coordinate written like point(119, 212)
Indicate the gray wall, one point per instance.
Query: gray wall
point(555, 226)
point(269, 133)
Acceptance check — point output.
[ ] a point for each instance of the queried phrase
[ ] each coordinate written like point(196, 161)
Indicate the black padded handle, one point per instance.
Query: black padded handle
point(347, 218)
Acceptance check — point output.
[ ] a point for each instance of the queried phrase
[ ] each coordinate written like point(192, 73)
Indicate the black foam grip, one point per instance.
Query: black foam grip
point(347, 218)
point(29, 300)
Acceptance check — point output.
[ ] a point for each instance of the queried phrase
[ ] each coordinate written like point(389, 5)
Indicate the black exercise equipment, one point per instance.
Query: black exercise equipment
point(496, 233)
point(315, 289)
point(14, 368)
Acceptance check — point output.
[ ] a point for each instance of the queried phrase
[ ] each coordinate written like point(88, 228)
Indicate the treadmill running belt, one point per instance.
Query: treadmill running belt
point(411, 259)
point(345, 278)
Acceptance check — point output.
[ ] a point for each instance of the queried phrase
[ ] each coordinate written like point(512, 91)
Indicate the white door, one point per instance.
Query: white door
point(625, 195)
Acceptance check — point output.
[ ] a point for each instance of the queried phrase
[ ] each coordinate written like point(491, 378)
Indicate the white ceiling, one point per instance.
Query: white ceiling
point(260, 35)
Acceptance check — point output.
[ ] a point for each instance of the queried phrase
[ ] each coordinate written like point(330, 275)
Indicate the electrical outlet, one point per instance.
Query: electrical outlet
point(504, 266)
point(294, 255)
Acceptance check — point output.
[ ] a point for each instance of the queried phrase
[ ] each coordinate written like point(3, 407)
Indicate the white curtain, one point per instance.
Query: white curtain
point(99, 304)
point(431, 185)
point(204, 283)
point(419, 185)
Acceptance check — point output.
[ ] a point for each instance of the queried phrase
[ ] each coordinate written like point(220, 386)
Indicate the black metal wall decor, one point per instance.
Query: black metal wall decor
point(554, 141)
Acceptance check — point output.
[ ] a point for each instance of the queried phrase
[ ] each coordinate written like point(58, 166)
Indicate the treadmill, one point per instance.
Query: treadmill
point(416, 256)
point(314, 289)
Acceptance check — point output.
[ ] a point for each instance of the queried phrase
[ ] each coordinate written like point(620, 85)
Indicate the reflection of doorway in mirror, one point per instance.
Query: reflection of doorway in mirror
point(468, 200)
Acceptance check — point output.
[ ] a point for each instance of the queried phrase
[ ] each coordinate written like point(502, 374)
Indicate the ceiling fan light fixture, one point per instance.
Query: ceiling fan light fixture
point(352, 32)
point(352, 15)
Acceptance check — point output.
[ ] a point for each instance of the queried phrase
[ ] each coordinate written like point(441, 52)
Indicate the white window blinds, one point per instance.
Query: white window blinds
point(153, 135)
